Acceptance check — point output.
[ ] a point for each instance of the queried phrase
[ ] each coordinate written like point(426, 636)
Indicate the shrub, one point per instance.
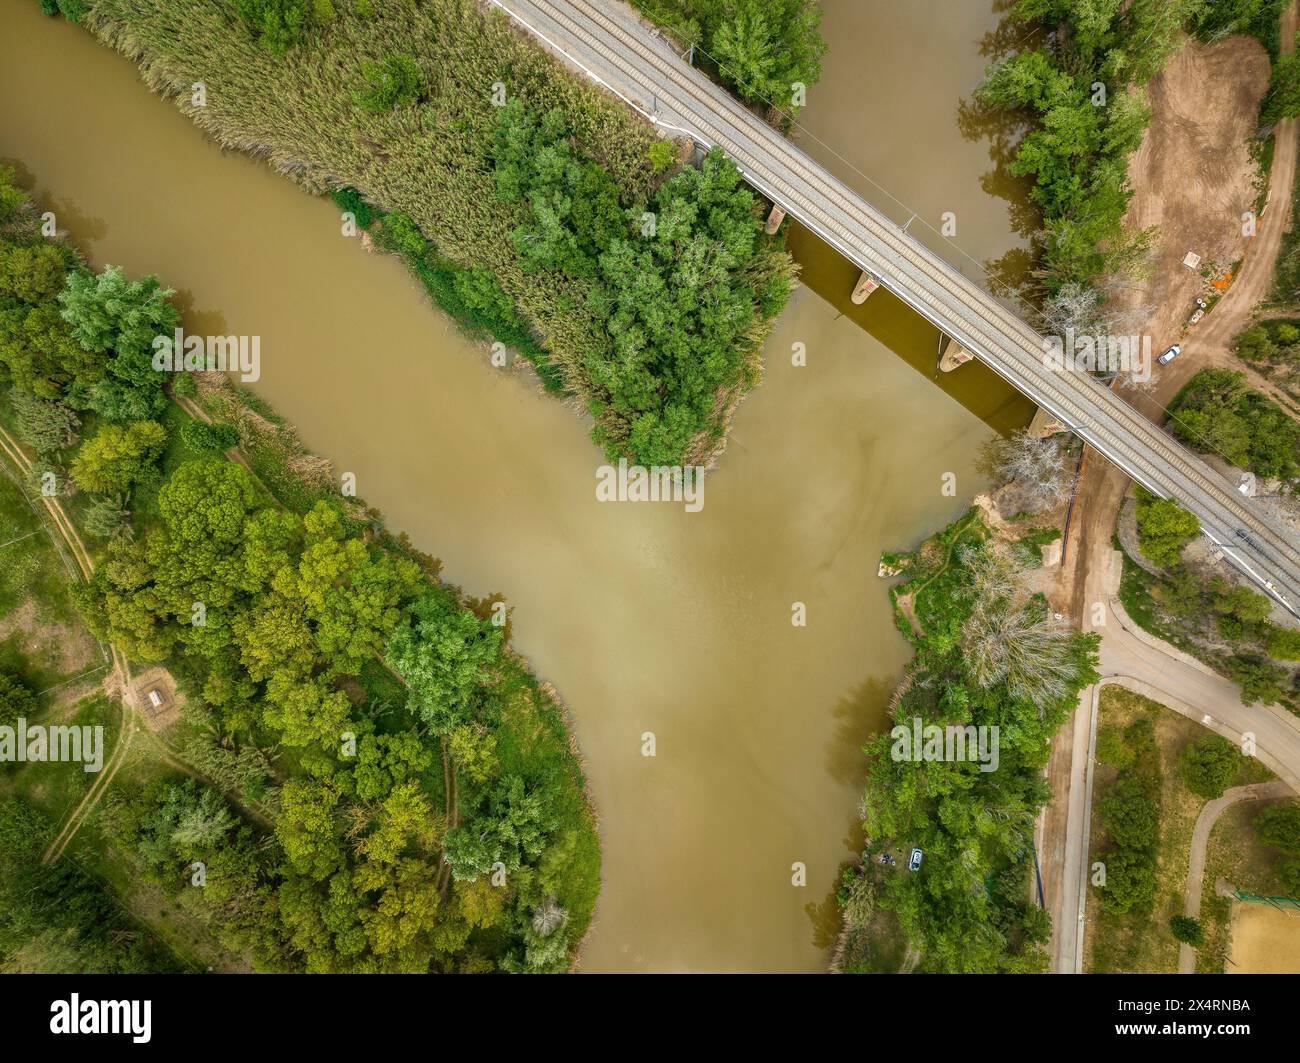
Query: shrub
point(1130, 814)
point(1208, 765)
point(1260, 680)
point(201, 437)
point(1255, 345)
point(1164, 528)
point(1186, 929)
point(1279, 826)
point(349, 199)
point(396, 82)
point(1284, 644)
point(1130, 880)
point(1112, 749)
point(662, 155)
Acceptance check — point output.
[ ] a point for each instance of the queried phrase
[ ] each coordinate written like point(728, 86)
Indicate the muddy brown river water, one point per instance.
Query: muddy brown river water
point(646, 617)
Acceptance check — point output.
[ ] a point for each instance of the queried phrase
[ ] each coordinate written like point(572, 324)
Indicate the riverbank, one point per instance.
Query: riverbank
point(566, 253)
point(403, 752)
point(953, 789)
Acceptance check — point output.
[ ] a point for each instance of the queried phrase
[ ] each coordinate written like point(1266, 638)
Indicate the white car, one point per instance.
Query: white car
point(914, 863)
point(1170, 354)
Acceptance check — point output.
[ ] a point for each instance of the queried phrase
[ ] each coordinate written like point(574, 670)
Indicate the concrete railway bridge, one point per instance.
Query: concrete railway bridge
point(610, 45)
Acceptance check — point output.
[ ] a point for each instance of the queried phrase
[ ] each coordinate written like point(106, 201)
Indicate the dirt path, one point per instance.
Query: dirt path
point(121, 669)
point(1193, 178)
point(1200, 840)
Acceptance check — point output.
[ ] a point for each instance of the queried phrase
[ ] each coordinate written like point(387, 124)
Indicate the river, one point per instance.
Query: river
point(646, 617)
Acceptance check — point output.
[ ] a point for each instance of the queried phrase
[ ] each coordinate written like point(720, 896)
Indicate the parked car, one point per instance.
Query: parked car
point(1170, 354)
point(914, 863)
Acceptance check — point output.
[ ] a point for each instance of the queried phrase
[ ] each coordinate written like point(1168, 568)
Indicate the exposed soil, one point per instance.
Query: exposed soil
point(1194, 178)
point(1264, 940)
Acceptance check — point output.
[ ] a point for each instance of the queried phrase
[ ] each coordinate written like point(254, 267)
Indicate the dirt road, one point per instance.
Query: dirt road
point(1192, 178)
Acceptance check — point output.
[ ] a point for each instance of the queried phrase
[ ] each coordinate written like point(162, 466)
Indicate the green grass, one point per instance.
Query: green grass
point(46, 642)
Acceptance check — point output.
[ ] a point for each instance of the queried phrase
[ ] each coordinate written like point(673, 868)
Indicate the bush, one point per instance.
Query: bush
point(1186, 929)
point(1260, 680)
point(662, 155)
point(277, 25)
point(1208, 765)
point(1130, 814)
point(349, 199)
point(1255, 345)
point(201, 437)
point(1130, 880)
point(1164, 528)
point(1284, 644)
point(396, 82)
point(1279, 826)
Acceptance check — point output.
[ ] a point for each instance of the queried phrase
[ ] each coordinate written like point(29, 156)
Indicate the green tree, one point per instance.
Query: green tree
point(48, 425)
point(15, 699)
point(1208, 765)
point(445, 654)
point(108, 312)
point(116, 457)
point(1260, 680)
point(32, 273)
point(1279, 826)
point(106, 516)
point(1188, 930)
point(1164, 528)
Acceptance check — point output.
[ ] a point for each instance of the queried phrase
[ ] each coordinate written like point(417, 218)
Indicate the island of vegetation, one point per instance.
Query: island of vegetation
point(533, 207)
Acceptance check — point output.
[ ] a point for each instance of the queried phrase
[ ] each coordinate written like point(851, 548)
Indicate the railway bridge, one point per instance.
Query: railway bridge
point(610, 45)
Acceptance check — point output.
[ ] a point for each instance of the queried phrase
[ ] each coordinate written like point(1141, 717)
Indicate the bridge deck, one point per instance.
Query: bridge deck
point(609, 44)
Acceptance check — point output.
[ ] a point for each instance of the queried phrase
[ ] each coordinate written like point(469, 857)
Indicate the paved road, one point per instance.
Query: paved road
point(609, 43)
point(1140, 662)
point(1205, 822)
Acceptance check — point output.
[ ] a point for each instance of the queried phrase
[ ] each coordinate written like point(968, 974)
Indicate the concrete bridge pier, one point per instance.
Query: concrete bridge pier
point(1045, 424)
point(954, 355)
point(774, 220)
point(865, 286)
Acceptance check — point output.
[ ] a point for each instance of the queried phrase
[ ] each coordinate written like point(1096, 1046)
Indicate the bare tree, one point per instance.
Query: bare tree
point(1015, 643)
point(548, 917)
point(1008, 636)
point(1036, 466)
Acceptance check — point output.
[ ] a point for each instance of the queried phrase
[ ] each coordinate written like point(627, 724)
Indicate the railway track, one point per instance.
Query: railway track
point(923, 280)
